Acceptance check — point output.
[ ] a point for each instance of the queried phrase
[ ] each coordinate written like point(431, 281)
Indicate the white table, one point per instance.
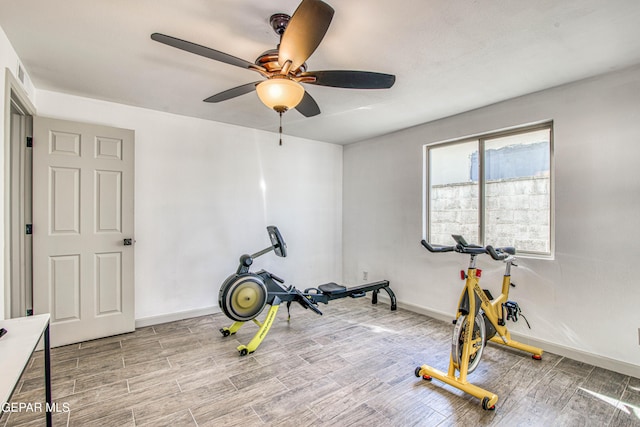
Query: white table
point(16, 348)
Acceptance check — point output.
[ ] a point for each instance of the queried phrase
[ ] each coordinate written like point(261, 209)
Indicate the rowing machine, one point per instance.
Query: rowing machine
point(244, 295)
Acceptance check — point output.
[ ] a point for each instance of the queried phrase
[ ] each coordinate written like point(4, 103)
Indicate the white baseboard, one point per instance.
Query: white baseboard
point(561, 350)
point(172, 317)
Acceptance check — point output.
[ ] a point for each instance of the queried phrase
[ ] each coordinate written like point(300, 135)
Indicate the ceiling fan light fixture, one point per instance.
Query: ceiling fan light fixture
point(280, 93)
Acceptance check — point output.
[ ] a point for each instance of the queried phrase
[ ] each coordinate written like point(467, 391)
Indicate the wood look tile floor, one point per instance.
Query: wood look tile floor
point(353, 366)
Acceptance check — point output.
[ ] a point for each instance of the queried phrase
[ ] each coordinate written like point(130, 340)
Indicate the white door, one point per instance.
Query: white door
point(82, 218)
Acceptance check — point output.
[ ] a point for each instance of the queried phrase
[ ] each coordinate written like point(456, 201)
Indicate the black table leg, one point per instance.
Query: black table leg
point(47, 376)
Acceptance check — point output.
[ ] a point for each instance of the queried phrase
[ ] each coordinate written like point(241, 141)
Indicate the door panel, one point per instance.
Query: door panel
point(108, 283)
point(83, 211)
point(64, 279)
point(108, 195)
point(64, 202)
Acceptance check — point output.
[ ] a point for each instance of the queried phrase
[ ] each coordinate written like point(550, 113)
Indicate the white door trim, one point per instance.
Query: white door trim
point(15, 92)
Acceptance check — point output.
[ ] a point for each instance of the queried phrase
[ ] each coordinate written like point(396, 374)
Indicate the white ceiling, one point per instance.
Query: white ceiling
point(448, 56)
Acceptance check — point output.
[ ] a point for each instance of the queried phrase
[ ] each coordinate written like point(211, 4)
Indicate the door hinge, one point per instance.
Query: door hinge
point(28, 229)
point(29, 142)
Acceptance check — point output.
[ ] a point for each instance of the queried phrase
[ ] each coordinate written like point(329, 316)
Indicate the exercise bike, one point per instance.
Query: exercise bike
point(480, 318)
point(244, 295)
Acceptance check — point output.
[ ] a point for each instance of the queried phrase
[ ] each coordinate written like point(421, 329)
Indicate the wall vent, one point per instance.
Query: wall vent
point(21, 73)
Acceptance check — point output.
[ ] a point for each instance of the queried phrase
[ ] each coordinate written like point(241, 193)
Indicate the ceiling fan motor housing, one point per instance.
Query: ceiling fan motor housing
point(269, 61)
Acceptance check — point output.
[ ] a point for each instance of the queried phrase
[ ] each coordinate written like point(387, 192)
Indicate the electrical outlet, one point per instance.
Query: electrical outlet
point(365, 276)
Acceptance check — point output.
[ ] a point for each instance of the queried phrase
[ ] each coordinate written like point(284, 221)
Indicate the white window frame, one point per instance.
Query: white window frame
point(481, 138)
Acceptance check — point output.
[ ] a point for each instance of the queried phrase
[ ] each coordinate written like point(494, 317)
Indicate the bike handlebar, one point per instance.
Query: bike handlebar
point(498, 254)
point(501, 253)
point(437, 248)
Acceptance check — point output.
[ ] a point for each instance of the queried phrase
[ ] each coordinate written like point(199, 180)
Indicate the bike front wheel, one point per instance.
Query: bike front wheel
point(477, 341)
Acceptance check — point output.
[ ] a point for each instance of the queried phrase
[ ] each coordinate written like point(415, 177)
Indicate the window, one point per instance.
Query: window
point(494, 189)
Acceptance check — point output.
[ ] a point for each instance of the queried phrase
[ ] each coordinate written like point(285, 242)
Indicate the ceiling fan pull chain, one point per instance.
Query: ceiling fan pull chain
point(280, 127)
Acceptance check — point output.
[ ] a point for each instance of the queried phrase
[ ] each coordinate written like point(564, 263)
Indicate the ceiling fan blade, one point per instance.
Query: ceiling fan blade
point(308, 106)
point(351, 79)
point(207, 52)
point(304, 32)
point(232, 93)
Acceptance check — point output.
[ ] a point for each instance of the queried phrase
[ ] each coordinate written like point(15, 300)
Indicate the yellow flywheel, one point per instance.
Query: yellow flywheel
point(243, 297)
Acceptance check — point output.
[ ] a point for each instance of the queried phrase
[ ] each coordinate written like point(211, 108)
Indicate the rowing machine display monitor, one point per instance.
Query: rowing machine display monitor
point(279, 246)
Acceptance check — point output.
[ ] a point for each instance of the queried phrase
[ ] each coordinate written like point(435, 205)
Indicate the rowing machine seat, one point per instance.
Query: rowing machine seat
point(332, 288)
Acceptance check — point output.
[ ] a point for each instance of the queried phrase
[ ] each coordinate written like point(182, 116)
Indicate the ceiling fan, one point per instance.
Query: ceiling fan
point(284, 68)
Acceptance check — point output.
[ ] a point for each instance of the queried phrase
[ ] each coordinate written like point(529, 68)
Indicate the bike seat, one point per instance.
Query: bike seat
point(332, 288)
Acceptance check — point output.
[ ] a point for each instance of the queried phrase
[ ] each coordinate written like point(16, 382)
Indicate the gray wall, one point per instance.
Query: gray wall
point(584, 302)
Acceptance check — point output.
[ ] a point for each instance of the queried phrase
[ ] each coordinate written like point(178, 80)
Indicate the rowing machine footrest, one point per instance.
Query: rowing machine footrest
point(332, 288)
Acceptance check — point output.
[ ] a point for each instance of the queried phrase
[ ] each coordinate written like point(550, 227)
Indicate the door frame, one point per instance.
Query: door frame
point(13, 227)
